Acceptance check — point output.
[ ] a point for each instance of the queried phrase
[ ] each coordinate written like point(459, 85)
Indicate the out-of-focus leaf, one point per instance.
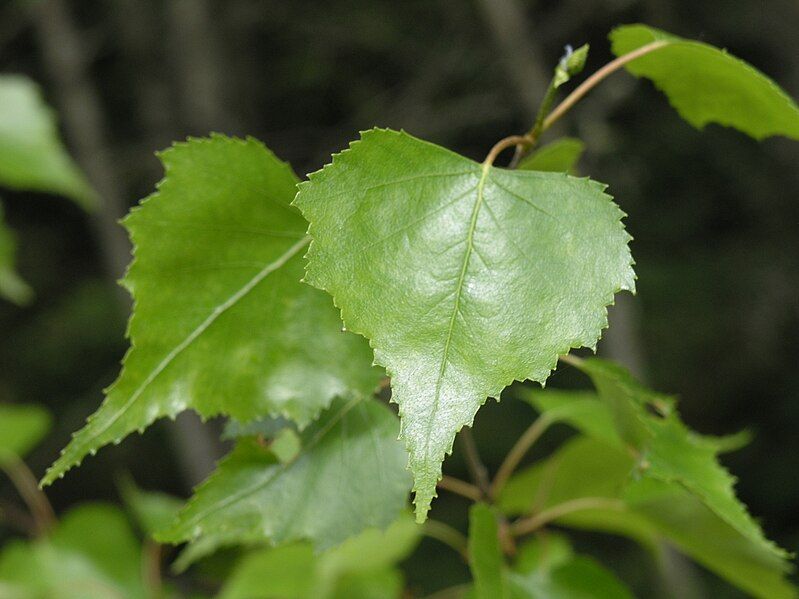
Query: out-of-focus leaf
point(152, 510)
point(581, 468)
point(698, 532)
point(12, 287)
point(559, 156)
point(360, 568)
point(668, 450)
point(222, 323)
point(31, 153)
point(464, 277)
point(266, 427)
point(22, 427)
point(708, 85)
point(485, 554)
point(579, 409)
point(543, 553)
point(348, 476)
point(648, 511)
point(579, 578)
point(92, 554)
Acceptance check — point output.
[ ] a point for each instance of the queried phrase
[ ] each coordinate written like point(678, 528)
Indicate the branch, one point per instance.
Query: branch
point(517, 452)
point(602, 74)
point(25, 483)
point(449, 536)
point(476, 467)
point(460, 487)
point(533, 523)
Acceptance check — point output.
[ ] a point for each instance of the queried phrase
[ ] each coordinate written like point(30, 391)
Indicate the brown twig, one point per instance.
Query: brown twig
point(477, 469)
point(517, 452)
point(449, 536)
point(460, 487)
point(533, 523)
point(586, 86)
point(25, 483)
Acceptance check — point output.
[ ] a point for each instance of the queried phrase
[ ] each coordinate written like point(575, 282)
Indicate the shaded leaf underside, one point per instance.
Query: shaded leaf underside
point(349, 475)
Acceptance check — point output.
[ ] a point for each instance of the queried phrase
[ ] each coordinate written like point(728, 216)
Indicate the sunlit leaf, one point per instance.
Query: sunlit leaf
point(222, 323)
point(708, 85)
point(463, 277)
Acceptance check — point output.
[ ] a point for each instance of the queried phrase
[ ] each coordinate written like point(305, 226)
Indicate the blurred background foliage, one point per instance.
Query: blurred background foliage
point(714, 215)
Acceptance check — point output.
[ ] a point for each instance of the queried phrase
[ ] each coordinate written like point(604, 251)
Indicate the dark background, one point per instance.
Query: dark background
point(714, 214)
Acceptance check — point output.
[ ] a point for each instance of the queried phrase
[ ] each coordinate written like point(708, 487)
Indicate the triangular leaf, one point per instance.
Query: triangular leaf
point(222, 323)
point(349, 475)
point(31, 153)
point(708, 85)
point(463, 277)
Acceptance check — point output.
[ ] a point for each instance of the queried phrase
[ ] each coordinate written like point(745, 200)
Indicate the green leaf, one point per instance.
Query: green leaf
point(581, 468)
point(22, 427)
point(263, 427)
point(463, 277)
point(12, 287)
point(708, 85)
point(560, 156)
point(222, 323)
point(698, 532)
point(579, 578)
point(152, 510)
point(543, 552)
point(349, 475)
point(670, 452)
point(579, 409)
point(485, 554)
point(91, 554)
point(362, 567)
point(284, 572)
point(651, 511)
point(31, 153)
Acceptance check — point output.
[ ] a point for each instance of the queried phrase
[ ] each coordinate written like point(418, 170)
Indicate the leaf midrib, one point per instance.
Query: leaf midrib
point(199, 330)
point(456, 304)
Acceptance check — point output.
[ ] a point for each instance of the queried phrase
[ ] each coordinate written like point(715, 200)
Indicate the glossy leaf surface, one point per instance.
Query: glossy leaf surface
point(708, 85)
point(222, 323)
point(463, 277)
